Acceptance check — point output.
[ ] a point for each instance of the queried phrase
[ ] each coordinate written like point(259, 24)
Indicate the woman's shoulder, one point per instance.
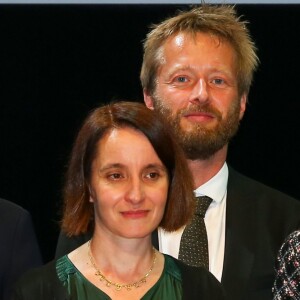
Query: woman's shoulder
point(290, 251)
point(39, 274)
point(203, 275)
point(40, 283)
point(293, 238)
point(197, 282)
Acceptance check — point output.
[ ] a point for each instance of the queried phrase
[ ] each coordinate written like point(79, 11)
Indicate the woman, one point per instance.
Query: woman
point(126, 177)
point(287, 282)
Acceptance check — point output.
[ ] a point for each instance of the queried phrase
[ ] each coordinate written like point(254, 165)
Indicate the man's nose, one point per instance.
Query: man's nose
point(199, 92)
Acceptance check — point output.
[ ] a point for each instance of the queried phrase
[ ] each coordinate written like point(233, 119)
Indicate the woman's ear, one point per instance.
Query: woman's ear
point(92, 195)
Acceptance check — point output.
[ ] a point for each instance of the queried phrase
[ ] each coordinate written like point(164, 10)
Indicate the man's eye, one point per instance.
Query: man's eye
point(181, 79)
point(218, 81)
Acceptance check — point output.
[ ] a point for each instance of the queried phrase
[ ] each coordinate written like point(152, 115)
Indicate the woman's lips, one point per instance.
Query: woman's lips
point(135, 214)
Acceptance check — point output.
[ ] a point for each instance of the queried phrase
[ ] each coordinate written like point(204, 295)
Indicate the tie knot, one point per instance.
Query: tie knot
point(202, 204)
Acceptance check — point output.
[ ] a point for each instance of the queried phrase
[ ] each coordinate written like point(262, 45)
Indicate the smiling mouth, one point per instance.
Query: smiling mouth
point(199, 116)
point(135, 214)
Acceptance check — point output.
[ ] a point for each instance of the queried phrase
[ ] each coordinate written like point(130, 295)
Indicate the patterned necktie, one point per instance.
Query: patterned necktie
point(193, 245)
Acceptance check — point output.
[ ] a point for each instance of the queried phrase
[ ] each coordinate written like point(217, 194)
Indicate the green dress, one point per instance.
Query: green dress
point(169, 285)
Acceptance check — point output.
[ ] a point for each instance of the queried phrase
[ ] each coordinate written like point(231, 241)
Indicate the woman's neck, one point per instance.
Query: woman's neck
point(123, 262)
point(122, 258)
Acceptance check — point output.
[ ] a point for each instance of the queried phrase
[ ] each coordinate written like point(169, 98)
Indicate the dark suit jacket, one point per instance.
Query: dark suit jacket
point(258, 219)
point(43, 284)
point(19, 250)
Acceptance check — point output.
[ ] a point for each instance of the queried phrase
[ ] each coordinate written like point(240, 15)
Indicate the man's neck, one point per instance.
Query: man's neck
point(204, 170)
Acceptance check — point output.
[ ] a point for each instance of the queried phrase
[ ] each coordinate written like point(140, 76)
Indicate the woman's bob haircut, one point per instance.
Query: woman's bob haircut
point(78, 214)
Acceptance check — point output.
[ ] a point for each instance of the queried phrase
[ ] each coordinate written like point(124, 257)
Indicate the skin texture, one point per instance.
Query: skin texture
point(197, 92)
point(129, 185)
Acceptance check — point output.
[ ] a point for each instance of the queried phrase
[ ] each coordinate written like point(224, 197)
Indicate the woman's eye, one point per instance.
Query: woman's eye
point(115, 176)
point(152, 175)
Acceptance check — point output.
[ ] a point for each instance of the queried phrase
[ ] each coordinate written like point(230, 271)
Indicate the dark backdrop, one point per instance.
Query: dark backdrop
point(57, 62)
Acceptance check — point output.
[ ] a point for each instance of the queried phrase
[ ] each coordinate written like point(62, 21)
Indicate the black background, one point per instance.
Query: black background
point(57, 62)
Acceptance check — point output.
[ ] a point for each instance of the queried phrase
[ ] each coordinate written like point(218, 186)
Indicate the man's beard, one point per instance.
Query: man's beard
point(201, 142)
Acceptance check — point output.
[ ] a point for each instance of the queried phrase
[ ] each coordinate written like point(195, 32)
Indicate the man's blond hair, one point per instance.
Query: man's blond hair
point(218, 20)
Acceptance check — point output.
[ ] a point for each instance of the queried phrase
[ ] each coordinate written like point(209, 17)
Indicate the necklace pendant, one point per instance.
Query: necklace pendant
point(119, 286)
point(101, 278)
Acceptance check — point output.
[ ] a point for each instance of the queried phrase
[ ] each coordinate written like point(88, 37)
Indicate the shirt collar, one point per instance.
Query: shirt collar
point(216, 187)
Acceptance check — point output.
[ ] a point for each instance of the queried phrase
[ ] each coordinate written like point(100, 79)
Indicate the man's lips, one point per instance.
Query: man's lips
point(135, 214)
point(199, 116)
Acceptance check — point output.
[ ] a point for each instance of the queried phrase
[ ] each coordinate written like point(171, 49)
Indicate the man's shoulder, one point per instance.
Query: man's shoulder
point(241, 184)
point(11, 209)
point(16, 222)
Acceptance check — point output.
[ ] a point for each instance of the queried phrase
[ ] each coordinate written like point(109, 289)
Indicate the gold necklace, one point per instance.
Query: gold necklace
point(119, 286)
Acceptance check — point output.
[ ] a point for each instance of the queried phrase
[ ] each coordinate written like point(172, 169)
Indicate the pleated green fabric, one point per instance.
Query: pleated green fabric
point(169, 285)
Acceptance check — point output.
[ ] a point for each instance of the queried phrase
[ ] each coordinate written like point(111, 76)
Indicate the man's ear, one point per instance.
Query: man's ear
point(243, 103)
point(148, 100)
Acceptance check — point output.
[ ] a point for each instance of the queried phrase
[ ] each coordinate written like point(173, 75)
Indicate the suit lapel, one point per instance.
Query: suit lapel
point(239, 257)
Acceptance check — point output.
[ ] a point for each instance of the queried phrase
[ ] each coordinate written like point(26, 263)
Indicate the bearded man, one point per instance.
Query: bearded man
point(197, 71)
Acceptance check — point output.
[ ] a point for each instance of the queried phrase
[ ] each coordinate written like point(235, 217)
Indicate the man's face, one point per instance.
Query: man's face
point(197, 92)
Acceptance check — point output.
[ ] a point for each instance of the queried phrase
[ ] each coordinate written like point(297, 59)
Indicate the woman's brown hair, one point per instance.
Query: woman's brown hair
point(78, 215)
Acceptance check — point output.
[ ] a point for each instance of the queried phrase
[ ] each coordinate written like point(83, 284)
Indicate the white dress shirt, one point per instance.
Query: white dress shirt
point(216, 189)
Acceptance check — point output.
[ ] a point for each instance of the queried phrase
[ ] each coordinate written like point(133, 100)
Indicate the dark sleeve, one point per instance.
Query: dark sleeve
point(198, 283)
point(67, 244)
point(40, 284)
point(22, 247)
point(287, 266)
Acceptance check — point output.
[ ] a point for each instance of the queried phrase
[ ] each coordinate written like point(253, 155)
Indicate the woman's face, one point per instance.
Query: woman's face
point(129, 185)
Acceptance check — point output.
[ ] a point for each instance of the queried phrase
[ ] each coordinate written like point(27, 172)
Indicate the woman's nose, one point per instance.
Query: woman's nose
point(135, 193)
